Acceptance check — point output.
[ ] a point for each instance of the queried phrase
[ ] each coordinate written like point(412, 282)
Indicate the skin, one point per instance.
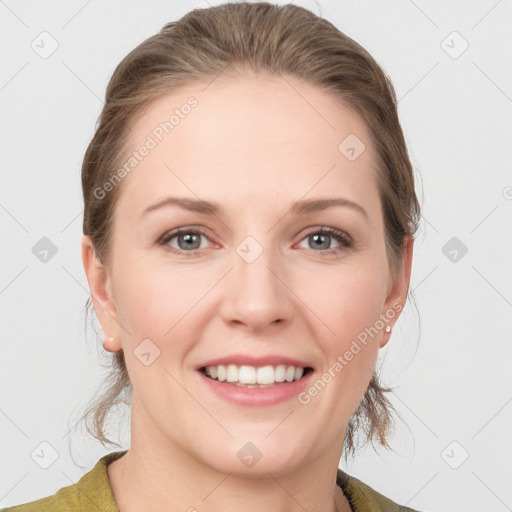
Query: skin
point(254, 144)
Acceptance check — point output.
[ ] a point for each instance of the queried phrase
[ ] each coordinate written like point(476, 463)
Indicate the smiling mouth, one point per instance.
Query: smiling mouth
point(255, 377)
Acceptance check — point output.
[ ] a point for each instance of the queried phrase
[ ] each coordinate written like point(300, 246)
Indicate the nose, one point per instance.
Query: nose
point(256, 294)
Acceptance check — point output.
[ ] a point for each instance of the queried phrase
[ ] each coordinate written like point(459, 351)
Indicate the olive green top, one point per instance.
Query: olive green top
point(92, 493)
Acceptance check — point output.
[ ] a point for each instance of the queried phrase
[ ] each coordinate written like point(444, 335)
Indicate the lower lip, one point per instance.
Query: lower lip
point(240, 395)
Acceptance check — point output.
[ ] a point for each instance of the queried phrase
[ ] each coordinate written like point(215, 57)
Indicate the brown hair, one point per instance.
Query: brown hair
point(264, 38)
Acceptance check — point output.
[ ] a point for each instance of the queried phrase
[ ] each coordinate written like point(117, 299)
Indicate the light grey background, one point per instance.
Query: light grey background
point(451, 372)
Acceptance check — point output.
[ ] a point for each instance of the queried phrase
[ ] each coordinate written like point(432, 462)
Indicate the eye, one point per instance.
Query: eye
point(187, 239)
point(321, 239)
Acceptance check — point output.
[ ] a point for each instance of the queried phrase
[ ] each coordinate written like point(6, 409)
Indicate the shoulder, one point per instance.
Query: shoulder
point(91, 492)
point(364, 498)
point(66, 501)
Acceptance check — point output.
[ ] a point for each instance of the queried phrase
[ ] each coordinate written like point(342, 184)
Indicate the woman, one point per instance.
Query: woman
point(248, 230)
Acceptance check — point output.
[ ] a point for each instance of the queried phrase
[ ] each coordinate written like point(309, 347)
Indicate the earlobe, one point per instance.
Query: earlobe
point(101, 294)
point(111, 344)
point(397, 295)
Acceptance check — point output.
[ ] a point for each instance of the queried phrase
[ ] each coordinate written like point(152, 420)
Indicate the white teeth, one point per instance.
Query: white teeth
point(251, 375)
point(247, 375)
point(280, 373)
point(221, 372)
point(232, 373)
point(265, 375)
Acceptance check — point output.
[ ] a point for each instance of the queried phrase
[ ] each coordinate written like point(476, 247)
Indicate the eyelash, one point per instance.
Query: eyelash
point(343, 238)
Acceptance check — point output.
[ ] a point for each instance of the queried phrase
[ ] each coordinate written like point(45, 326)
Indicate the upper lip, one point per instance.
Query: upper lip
point(245, 360)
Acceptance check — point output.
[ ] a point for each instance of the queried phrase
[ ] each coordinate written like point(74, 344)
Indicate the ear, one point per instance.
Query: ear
point(397, 290)
point(101, 294)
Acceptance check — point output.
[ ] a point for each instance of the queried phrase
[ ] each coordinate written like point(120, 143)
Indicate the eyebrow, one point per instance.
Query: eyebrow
point(212, 208)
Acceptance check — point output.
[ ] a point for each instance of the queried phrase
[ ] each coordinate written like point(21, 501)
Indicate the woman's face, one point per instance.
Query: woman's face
point(254, 283)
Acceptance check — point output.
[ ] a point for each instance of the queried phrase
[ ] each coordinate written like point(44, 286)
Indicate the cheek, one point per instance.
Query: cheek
point(349, 308)
point(345, 301)
point(160, 304)
point(145, 301)
point(159, 301)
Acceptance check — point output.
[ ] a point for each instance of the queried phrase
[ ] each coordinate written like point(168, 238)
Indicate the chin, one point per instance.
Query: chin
point(255, 459)
point(260, 469)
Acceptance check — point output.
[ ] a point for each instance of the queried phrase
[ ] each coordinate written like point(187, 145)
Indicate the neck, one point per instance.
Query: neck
point(140, 483)
point(148, 479)
point(158, 474)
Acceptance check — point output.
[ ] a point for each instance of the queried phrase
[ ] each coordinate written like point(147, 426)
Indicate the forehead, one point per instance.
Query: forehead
point(251, 104)
point(261, 135)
